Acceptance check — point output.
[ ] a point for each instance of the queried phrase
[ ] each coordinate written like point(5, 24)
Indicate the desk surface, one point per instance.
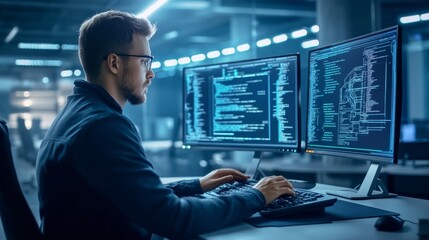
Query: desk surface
point(411, 209)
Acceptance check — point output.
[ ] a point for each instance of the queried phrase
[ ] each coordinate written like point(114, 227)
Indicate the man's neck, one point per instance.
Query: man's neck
point(111, 88)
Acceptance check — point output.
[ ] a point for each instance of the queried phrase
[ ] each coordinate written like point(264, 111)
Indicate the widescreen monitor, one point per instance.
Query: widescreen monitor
point(354, 98)
point(244, 105)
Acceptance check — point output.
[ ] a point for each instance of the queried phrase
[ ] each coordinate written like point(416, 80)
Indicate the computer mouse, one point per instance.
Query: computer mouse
point(389, 223)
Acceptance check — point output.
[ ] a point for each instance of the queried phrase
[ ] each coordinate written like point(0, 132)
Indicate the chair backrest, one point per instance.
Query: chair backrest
point(16, 216)
point(28, 150)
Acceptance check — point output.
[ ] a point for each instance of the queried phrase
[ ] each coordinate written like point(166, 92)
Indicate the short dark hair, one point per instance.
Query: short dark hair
point(106, 33)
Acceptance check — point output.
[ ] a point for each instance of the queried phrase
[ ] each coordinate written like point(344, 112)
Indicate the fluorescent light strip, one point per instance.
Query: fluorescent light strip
point(228, 51)
point(11, 34)
point(146, 13)
point(299, 33)
point(280, 38)
point(71, 47)
point(39, 46)
point(171, 35)
point(170, 62)
point(156, 65)
point(409, 19)
point(424, 16)
point(310, 43)
point(184, 60)
point(243, 47)
point(213, 54)
point(264, 42)
point(198, 57)
point(38, 62)
point(315, 28)
point(66, 73)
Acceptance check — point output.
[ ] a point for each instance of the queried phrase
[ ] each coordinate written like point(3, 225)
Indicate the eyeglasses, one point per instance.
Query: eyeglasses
point(147, 62)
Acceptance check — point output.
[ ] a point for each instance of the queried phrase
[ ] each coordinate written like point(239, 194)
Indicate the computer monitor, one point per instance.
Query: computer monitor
point(354, 104)
point(245, 105)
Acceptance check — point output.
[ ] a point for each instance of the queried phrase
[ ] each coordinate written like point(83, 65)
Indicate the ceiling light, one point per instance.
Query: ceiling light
point(156, 65)
point(11, 34)
point(409, 19)
point(39, 46)
point(264, 42)
point(171, 35)
point(424, 16)
point(243, 47)
point(280, 38)
point(151, 9)
point(310, 43)
point(299, 33)
point(198, 57)
point(66, 73)
point(315, 28)
point(228, 51)
point(190, 5)
point(38, 62)
point(170, 62)
point(69, 47)
point(213, 54)
point(27, 103)
point(184, 60)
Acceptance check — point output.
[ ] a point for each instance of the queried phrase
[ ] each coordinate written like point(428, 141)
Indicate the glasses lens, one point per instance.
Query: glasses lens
point(149, 64)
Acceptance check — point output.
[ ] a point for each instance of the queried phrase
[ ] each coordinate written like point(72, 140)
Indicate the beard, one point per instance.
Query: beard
point(131, 89)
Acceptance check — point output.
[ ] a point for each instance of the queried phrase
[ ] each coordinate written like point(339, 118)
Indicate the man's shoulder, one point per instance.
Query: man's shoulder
point(75, 121)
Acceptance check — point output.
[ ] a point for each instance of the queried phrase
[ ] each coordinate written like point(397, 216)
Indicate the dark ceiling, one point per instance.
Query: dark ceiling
point(198, 24)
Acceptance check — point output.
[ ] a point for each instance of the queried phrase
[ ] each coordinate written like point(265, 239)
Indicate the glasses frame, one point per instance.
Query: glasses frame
point(148, 64)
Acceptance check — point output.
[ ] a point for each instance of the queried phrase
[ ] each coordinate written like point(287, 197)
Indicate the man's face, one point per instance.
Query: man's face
point(136, 76)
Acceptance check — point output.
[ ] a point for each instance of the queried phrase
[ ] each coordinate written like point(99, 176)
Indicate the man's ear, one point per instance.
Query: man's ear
point(113, 63)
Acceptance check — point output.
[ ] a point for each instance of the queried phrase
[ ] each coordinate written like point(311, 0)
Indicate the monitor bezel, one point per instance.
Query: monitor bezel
point(397, 101)
point(247, 146)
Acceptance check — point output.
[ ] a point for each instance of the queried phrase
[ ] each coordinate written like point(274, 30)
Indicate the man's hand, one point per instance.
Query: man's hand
point(221, 176)
point(273, 187)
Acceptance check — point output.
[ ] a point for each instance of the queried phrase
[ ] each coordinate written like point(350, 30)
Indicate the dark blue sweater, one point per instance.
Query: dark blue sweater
point(95, 181)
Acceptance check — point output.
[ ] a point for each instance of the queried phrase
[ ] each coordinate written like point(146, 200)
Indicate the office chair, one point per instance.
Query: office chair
point(28, 151)
point(16, 216)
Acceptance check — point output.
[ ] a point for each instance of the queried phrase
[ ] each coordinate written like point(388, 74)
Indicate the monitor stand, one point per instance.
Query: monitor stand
point(253, 167)
point(371, 187)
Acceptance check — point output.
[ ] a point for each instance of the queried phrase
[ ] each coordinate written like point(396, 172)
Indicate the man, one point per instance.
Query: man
point(94, 178)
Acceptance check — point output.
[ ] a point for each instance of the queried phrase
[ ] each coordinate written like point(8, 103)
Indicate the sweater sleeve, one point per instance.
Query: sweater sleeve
point(112, 162)
point(186, 187)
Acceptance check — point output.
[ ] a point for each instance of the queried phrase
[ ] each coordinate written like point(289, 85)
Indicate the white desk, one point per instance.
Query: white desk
point(411, 209)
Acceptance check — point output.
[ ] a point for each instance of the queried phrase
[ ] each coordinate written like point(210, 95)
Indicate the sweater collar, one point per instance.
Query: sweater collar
point(94, 90)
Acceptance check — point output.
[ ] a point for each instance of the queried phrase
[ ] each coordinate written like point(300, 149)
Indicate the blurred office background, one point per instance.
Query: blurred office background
point(39, 62)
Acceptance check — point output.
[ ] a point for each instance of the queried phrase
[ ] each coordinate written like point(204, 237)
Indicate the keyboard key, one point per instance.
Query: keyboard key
point(304, 200)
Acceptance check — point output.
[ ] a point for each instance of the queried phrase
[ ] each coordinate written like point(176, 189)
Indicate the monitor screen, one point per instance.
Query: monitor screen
point(249, 104)
point(354, 98)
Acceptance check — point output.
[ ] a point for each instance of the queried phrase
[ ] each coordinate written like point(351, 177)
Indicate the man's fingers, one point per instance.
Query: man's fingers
point(237, 175)
point(224, 179)
point(288, 191)
point(282, 181)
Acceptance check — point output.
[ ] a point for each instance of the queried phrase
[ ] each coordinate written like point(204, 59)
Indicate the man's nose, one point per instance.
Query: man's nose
point(150, 74)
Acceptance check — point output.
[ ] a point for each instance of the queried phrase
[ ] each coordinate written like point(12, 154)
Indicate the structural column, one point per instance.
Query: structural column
point(243, 30)
point(417, 55)
point(344, 19)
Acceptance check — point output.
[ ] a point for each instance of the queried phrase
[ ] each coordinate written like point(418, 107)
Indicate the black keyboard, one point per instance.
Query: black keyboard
point(304, 201)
